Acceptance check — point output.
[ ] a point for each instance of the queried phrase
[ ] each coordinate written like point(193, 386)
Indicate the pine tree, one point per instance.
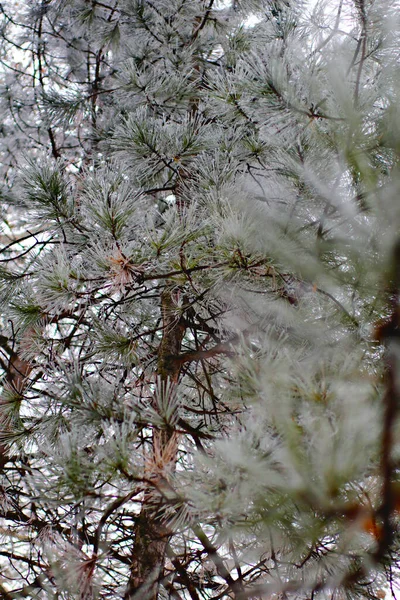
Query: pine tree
point(199, 289)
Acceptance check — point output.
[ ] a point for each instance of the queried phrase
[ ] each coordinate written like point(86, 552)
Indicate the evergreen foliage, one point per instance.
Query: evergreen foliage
point(199, 299)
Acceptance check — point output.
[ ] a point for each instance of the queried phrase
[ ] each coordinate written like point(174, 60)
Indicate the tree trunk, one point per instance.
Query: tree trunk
point(152, 534)
point(15, 381)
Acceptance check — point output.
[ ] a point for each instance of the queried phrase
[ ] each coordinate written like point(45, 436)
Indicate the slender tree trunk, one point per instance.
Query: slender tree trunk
point(152, 534)
point(15, 381)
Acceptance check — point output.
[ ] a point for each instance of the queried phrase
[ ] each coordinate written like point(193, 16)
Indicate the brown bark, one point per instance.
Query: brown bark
point(152, 534)
point(15, 382)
